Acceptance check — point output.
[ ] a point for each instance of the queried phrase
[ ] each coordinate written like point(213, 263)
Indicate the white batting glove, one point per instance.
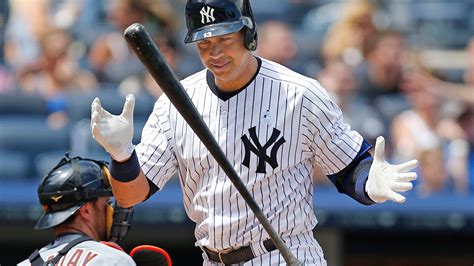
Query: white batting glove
point(114, 132)
point(385, 179)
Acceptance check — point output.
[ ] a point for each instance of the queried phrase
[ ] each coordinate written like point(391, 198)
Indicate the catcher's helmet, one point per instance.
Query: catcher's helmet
point(210, 18)
point(68, 186)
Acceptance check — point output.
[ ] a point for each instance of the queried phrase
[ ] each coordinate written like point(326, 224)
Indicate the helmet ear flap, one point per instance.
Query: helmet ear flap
point(106, 174)
point(250, 31)
point(250, 39)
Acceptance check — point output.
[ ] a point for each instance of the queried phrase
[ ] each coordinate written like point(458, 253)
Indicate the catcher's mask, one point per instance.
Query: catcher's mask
point(210, 18)
point(69, 185)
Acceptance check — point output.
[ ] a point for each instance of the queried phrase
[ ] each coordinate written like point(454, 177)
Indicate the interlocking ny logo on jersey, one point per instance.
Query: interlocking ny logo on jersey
point(261, 151)
point(207, 15)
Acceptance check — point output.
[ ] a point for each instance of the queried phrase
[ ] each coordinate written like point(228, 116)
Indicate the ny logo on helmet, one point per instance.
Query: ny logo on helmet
point(207, 15)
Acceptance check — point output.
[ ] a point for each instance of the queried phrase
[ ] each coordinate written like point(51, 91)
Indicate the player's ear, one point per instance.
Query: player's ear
point(86, 211)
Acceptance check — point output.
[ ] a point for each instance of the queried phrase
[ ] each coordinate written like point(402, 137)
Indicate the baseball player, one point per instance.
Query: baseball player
point(271, 123)
point(75, 196)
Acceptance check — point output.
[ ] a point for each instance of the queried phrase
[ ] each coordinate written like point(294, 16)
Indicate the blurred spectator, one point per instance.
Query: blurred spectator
point(382, 73)
point(83, 19)
point(339, 80)
point(433, 178)
point(110, 56)
point(466, 121)
point(448, 90)
point(469, 73)
point(54, 73)
point(28, 20)
point(349, 38)
point(438, 142)
point(56, 70)
point(276, 42)
point(379, 77)
point(264, 10)
point(458, 134)
point(4, 15)
point(65, 13)
point(168, 48)
point(135, 84)
point(6, 79)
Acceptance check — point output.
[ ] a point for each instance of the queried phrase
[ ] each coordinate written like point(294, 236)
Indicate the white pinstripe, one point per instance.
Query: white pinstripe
point(311, 125)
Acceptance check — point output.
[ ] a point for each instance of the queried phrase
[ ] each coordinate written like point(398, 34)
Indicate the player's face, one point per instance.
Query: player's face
point(227, 58)
point(100, 207)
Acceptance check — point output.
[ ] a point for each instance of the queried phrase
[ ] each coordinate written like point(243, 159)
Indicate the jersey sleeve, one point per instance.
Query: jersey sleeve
point(155, 151)
point(334, 144)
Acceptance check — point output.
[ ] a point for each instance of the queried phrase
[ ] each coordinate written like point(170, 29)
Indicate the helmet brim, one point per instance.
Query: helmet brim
point(218, 29)
point(51, 219)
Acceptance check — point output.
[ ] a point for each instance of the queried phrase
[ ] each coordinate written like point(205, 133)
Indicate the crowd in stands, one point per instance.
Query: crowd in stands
point(56, 56)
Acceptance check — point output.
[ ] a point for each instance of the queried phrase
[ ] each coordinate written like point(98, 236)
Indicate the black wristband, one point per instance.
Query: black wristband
point(361, 174)
point(126, 171)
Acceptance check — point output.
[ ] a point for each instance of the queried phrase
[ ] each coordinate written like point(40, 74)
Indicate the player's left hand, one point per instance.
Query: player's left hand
point(385, 179)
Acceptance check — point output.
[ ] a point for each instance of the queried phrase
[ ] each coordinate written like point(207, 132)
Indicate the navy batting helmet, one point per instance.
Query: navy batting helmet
point(210, 18)
point(68, 186)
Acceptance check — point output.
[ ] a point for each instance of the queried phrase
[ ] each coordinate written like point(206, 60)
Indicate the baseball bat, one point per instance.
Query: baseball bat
point(149, 54)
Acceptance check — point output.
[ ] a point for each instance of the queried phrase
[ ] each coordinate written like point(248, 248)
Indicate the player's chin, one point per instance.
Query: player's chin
point(220, 70)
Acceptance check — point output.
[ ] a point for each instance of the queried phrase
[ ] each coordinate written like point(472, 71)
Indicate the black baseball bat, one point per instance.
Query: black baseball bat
point(149, 54)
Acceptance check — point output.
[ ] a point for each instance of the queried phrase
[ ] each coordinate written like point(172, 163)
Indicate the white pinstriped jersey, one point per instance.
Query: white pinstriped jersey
point(271, 132)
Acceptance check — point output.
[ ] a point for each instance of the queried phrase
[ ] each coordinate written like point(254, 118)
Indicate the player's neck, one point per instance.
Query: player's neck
point(61, 231)
point(75, 228)
point(243, 79)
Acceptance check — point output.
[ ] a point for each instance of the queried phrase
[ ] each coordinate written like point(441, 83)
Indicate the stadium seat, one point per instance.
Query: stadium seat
point(21, 104)
point(14, 165)
point(44, 162)
point(79, 104)
point(30, 136)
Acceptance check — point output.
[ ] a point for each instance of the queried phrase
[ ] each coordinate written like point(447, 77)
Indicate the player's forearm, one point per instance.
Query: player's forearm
point(130, 193)
point(457, 92)
point(129, 184)
point(352, 179)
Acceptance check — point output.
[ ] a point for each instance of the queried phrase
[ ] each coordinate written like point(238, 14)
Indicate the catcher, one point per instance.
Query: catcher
point(77, 201)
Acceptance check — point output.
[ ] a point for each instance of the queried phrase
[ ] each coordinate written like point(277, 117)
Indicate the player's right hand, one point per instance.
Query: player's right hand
point(114, 132)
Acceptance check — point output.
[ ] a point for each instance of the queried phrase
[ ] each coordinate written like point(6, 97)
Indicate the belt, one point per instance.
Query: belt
point(239, 255)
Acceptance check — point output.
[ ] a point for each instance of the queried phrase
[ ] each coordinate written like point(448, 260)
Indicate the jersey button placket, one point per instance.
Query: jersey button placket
point(223, 110)
point(223, 120)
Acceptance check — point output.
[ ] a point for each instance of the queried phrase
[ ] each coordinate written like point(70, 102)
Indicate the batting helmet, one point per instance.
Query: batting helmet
point(68, 186)
point(210, 18)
